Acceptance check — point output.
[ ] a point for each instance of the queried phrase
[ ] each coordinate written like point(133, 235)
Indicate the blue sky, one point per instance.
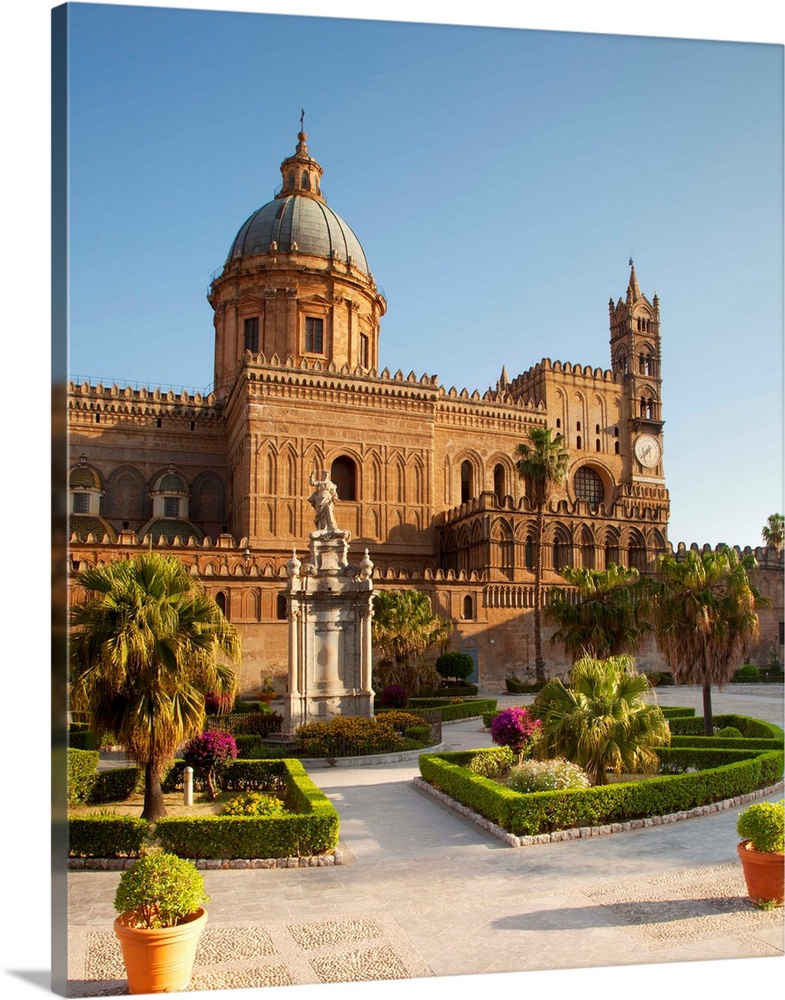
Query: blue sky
point(499, 180)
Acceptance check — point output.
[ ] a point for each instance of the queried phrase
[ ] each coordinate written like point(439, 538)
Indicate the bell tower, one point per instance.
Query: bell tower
point(636, 356)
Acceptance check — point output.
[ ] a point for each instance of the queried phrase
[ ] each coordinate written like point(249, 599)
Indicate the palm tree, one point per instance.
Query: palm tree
point(542, 464)
point(703, 611)
point(605, 720)
point(143, 651)
point(404, 628)
point(773, 533)
point(605, 621)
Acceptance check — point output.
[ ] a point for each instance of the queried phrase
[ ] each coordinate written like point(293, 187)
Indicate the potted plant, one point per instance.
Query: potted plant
point(267, 690)
point(761, 851)
point(161, 917)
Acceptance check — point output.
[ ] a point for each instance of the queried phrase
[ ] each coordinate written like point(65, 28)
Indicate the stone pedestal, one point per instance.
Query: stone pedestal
point(329, 612)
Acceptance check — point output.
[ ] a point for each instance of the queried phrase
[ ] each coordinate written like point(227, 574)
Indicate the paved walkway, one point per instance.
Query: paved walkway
point(425, 892)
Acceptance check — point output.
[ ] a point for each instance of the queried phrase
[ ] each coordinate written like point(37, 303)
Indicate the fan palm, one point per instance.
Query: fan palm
point(605, 721)
point(773, 532)
point(404, 628)
point(703, 611)
point(143, 652)
point(542, 464)
point(605, 621)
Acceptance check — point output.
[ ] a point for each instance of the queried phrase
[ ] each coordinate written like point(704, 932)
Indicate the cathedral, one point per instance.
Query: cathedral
point(425, 476)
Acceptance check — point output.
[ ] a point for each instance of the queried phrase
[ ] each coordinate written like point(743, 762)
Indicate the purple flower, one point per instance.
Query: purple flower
point(515, 728)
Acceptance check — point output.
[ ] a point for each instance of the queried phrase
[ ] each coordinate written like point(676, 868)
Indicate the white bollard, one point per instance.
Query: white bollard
point(188, 786)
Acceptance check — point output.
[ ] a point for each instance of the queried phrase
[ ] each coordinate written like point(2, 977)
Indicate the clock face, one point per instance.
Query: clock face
point(647, 451)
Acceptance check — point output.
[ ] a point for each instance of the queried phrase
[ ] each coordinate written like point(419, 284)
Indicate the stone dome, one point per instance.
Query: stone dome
point(298, 222)
point(299, 219)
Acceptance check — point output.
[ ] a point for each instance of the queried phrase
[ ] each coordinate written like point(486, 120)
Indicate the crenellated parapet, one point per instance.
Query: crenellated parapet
point(113, 403)
point(767, 557)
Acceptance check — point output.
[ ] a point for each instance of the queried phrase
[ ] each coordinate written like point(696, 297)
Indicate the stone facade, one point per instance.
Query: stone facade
point(426, 475)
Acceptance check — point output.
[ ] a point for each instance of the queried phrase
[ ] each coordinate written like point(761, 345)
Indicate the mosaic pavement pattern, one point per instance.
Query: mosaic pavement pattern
point(282, 953)
point(677, 916)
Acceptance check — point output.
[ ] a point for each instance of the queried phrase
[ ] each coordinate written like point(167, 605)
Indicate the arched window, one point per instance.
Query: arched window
point(561, 553)
point(280, 607)
point(220, 600)
point(467, 484)
point(498, 483)
point(344, 474)
point(588, 486)
point(528, 554)
point(468, 606)
point(305, 181)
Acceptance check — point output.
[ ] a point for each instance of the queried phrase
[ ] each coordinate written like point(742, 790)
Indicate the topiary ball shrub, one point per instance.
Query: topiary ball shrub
point(547, 776)
point(730, 732)
point(394, 696)
point(748, 672)
point(516, 728)
point(159, 891)
point(763, 824)
point(207, 753)
point(454, 664)
point(253, 804)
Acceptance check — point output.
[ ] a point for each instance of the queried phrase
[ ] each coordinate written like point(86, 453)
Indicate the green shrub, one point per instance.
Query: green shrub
point(748, 672)
point(82, 774)
point(347, 736)
point(253, 804)
point(676, 712)
point(81, 737)
point(107, 836)
point(418, 734)
point(763, 824)
point(454, 709)
point(116, 784)
point(729, 732)
point(454, 664)
point(398, 720)
point(159, 891)
point(547, 776)
point(492, 763)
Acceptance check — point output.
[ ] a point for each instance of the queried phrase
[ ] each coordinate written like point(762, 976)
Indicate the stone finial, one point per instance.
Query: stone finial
point(366, 567)
point(293, 566)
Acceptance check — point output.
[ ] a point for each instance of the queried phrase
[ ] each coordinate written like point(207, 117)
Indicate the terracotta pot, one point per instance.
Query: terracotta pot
point(763, 873)
point(160, 961)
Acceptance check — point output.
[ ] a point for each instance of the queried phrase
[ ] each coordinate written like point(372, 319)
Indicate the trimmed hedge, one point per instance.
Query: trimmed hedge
point(729, 742)
point(451, 711)
point(82, 774)
point(117, 783)
point(311, 830)
point(107, 836)
point(675, 712)
point(514, 686)
point(543, 812)
point(81, 737)
point(749, 727)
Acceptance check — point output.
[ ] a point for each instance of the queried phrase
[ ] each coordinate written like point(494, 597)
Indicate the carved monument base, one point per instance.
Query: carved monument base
point(329, 611)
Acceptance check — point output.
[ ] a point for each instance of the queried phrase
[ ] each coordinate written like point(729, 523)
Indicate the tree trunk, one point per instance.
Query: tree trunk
point(708, 718)
point(154, 807)
point(539, 662)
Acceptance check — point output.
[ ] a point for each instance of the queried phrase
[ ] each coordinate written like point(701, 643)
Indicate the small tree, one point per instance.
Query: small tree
point(605, 620)
point(208, 753)
point(404, 630)
point(605, 720)
point(517, 729)
point(455, 664)
point(703, 609)
point(542, 464)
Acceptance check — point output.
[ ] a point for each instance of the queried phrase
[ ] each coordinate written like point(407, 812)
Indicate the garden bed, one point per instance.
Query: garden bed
point(309, 829)
point(699, 776)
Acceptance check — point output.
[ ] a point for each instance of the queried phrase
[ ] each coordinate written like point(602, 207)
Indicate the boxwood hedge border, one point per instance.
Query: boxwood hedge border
point(725, 772)
point(308, 838)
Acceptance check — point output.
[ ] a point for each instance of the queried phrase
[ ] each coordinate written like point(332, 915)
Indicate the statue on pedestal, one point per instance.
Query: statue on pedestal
point(322, 500)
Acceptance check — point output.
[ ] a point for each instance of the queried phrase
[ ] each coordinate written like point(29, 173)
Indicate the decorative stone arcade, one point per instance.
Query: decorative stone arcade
point(330, 611)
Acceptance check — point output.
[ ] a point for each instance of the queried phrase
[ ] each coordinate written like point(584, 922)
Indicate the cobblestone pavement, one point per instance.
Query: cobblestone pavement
point(424, 892)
